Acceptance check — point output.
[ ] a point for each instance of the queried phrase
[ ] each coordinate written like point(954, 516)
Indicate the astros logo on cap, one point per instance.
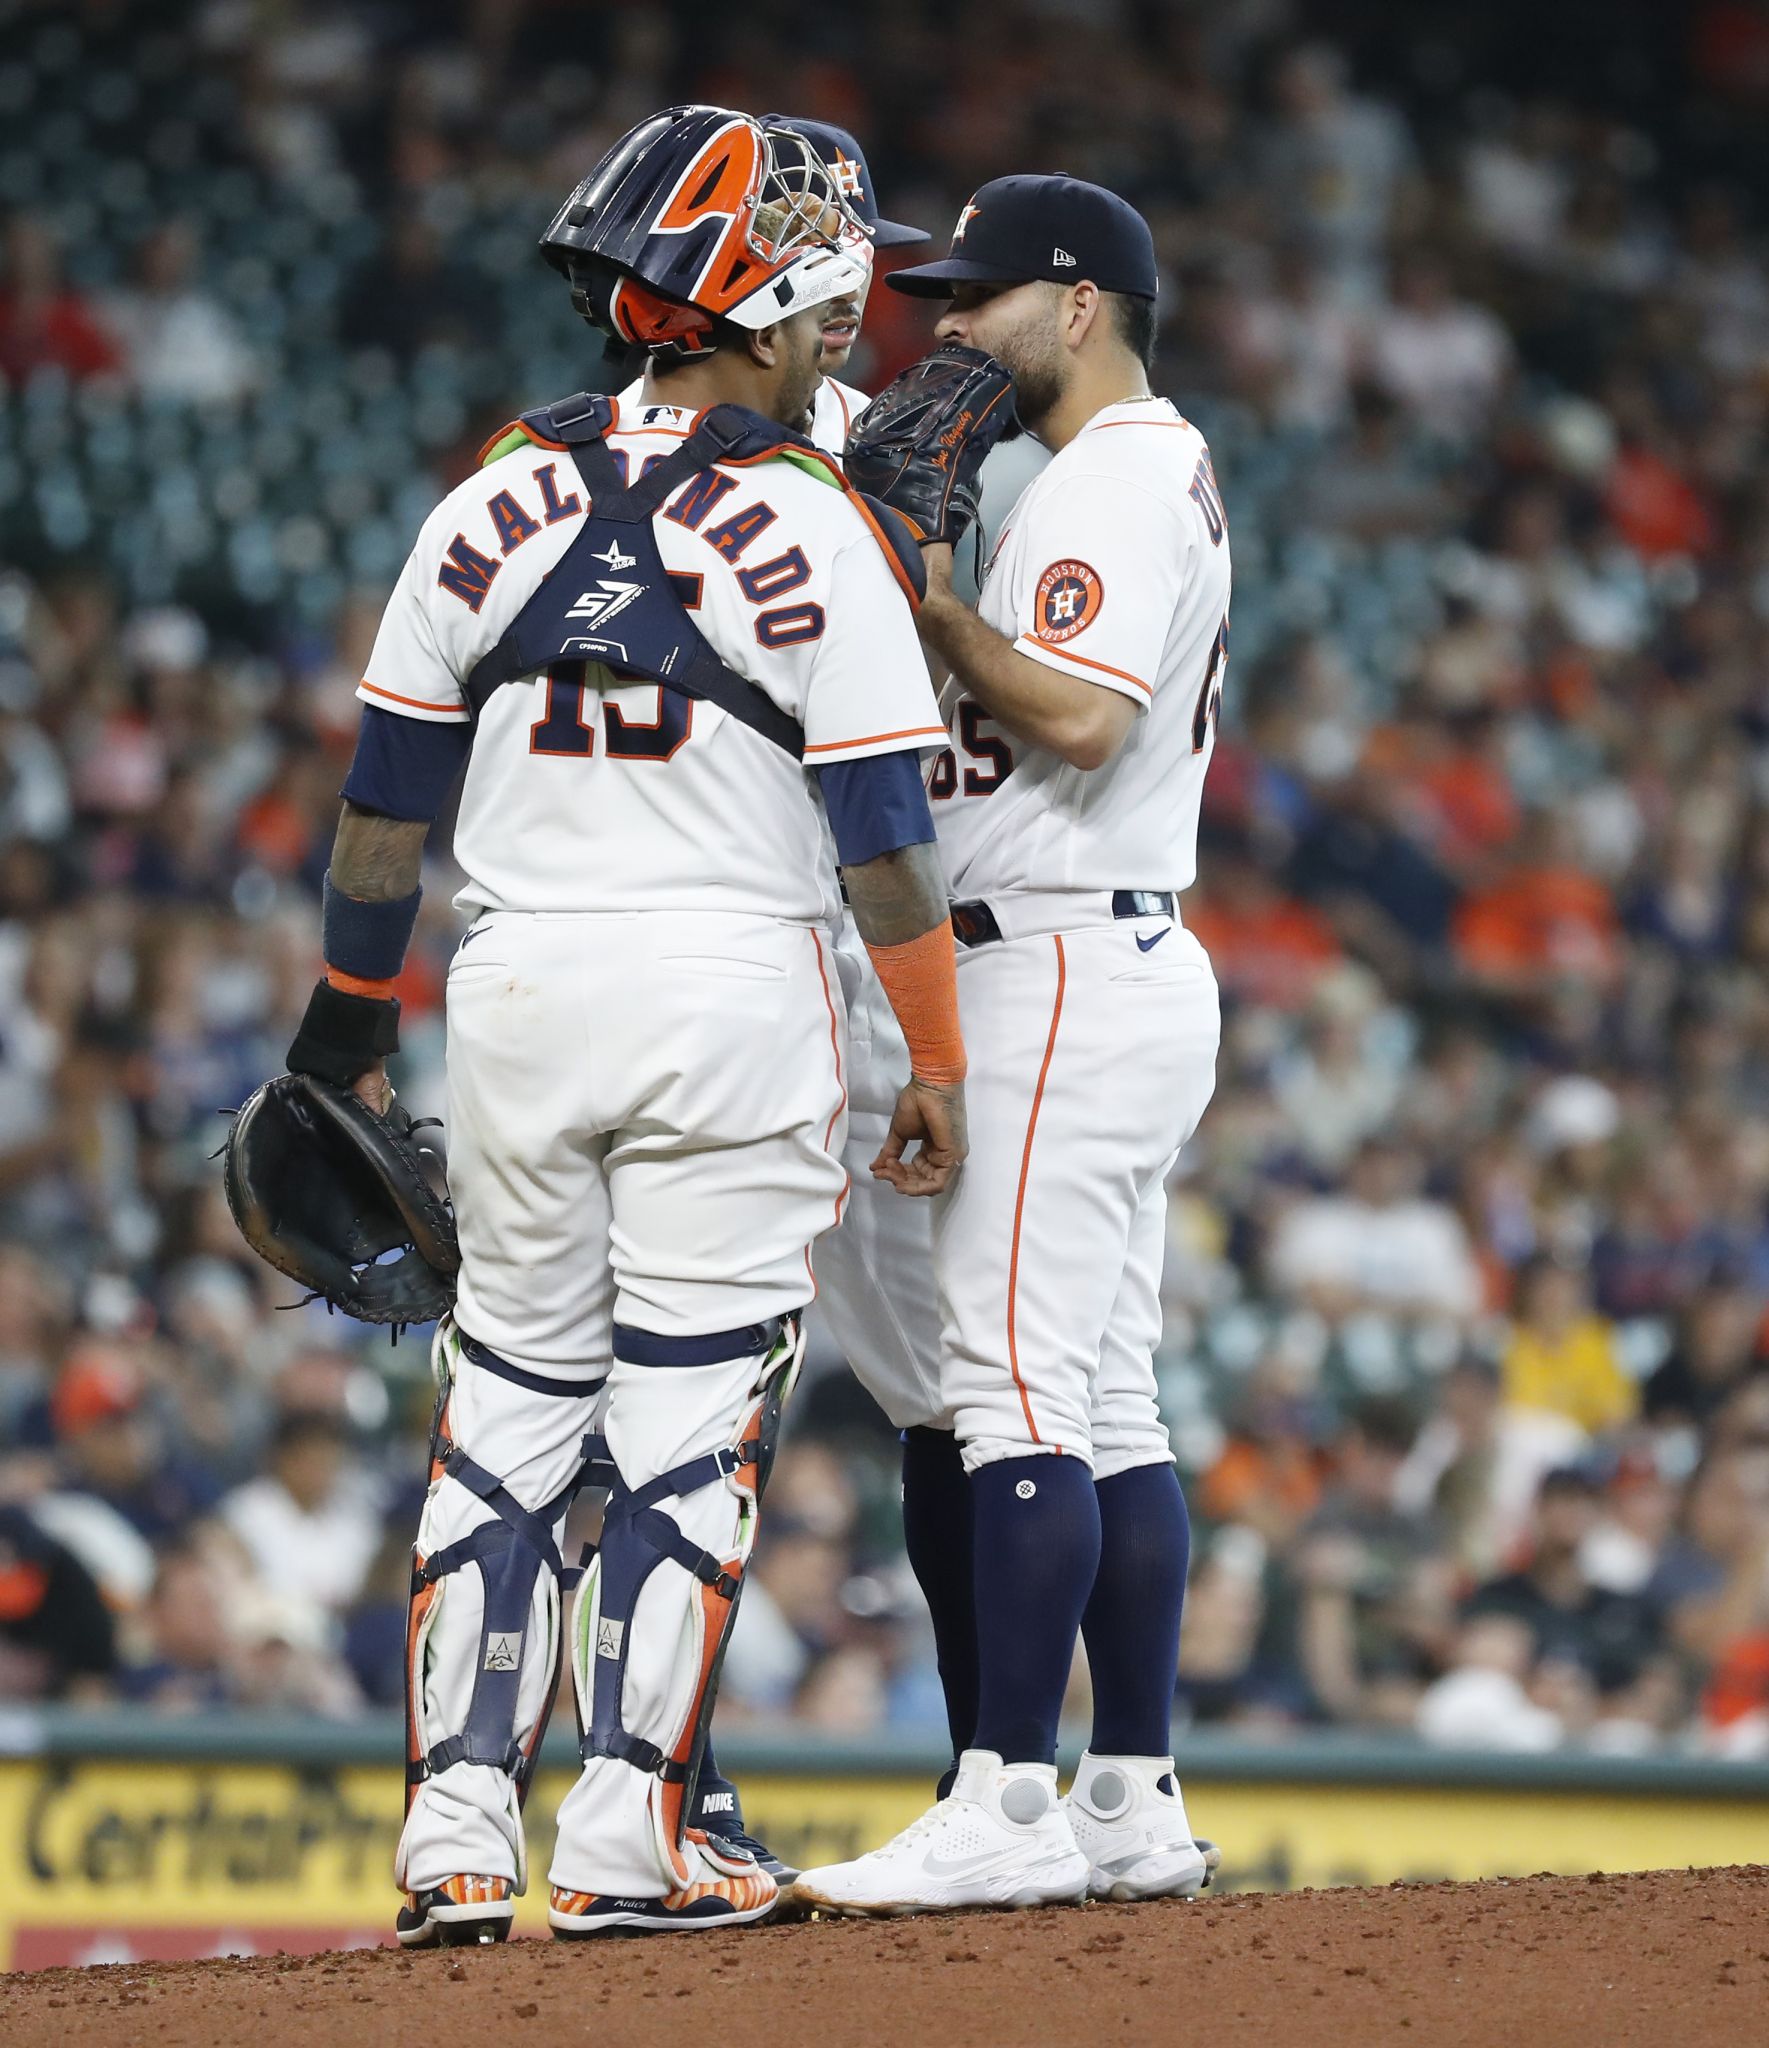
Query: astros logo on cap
point(847, 176)
point(1069, 598)
point(969, 213)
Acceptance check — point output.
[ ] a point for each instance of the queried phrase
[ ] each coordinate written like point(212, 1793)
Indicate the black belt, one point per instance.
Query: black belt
point(974, 924)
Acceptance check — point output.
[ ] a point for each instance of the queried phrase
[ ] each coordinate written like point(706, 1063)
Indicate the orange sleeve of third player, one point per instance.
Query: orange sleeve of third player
point(921, 980)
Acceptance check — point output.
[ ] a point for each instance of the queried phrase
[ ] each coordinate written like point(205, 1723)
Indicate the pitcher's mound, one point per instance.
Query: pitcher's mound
point(1679, 1957)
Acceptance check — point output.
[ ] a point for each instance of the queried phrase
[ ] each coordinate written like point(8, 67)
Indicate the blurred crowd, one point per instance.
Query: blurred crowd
point(1468, 1282)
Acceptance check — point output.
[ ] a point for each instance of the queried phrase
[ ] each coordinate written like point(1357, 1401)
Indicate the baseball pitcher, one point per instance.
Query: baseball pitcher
point(1082, 700)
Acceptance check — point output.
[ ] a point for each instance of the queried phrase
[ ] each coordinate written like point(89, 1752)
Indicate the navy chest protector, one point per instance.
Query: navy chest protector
point(609, 598)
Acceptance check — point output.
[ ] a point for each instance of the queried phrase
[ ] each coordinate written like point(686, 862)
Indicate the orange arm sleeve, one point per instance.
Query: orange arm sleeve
point(921, 980)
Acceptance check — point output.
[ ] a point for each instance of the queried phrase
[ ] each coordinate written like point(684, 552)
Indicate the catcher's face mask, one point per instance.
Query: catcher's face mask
point(700, 212)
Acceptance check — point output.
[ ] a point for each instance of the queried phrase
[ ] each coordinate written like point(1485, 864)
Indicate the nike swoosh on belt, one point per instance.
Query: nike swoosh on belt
point(1149, 945)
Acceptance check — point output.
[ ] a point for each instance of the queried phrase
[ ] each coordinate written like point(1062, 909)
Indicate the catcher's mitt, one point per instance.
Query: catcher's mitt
point(323, 1187)
point(922, 440)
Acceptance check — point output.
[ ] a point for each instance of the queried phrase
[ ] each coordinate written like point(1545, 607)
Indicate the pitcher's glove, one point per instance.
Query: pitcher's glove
point(920, 443)
point(322, 1186)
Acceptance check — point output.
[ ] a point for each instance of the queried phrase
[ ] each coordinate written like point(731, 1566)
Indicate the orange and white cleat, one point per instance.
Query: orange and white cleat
point(738, 1892)
point(461, 1912)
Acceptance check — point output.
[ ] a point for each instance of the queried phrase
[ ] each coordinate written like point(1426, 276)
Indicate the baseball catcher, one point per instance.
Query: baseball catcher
point(674, 655)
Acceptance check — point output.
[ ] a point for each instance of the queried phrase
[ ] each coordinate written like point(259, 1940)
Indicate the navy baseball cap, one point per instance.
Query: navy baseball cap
point(1063, 229)
point(847, 161)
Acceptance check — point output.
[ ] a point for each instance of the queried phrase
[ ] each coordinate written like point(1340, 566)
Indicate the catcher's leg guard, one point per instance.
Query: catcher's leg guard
point(484, 1638)
point(660, 1594)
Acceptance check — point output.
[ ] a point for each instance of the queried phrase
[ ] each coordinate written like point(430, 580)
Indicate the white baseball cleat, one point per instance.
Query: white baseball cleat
point(1128, 1819)
point(1000, 1838)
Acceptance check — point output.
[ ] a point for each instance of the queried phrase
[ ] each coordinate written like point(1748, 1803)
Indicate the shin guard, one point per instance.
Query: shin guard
point(484, 1637)
point(640, 1536)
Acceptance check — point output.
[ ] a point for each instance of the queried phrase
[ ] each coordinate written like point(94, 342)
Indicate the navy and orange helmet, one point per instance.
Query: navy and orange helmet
point(700, 216)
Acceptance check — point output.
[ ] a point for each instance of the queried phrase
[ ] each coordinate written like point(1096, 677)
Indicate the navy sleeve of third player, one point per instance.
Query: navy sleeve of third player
point(875, 805)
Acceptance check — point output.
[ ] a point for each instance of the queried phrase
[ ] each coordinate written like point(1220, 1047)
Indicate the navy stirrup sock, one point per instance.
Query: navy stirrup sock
point(937, 1518)
point(1037, 1549)
point(1131, 1626)
point(717, 1806)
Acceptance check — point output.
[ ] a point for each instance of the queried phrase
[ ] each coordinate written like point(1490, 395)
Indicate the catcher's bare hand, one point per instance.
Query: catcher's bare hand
point(934, 1114)
point(372, 1088)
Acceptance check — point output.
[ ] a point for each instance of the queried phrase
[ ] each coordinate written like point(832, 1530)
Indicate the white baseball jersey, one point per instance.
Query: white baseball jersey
point(585, 794)
point(1113, 567)
point(833, 411)
point(1095, 1035)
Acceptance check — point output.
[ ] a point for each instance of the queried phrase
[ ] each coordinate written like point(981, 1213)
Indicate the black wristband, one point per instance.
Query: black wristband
point(342, 1036)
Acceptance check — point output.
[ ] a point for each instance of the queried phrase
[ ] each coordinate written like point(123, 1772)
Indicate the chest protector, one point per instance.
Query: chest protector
point(609, 598)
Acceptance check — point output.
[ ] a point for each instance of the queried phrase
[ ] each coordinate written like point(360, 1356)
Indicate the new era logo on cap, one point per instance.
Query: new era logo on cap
point(1062, 259)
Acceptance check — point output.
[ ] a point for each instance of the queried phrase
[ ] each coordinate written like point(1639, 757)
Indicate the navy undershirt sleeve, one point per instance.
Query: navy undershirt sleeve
point(875, 806)
point(405, 767)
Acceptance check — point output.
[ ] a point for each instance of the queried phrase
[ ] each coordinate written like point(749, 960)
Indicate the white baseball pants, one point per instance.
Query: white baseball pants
point(1092, 1057)
point(645, 1122)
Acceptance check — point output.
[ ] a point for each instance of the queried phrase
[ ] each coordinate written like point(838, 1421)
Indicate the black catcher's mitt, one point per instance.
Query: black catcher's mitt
point(322, 1187)
point(922, 440)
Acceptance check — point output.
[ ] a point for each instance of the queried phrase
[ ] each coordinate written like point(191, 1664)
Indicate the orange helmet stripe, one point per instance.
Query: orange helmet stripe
point(723, 183)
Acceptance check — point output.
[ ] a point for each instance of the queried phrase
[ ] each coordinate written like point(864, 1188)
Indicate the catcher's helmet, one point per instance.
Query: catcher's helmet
point(697, 216)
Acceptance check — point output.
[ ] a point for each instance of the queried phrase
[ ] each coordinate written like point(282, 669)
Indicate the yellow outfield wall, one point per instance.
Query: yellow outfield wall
point(113, 1857)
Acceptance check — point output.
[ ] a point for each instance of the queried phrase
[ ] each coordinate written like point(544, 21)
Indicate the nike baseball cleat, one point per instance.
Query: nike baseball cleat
point(1000, 1838)
point(1129, 1822)
point(719, 1902)
point(461, 1912)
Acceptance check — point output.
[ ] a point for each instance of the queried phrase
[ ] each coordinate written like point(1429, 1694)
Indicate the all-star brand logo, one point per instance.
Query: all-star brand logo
point(503, 1652)
point(609, 1636)
point(612, 555)
point(596, 607)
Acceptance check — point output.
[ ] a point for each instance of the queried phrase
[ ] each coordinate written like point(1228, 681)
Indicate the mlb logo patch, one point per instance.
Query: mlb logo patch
point(1069, 598)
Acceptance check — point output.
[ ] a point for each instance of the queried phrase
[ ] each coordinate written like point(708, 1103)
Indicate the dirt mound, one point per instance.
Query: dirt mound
point(1597, 1962)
